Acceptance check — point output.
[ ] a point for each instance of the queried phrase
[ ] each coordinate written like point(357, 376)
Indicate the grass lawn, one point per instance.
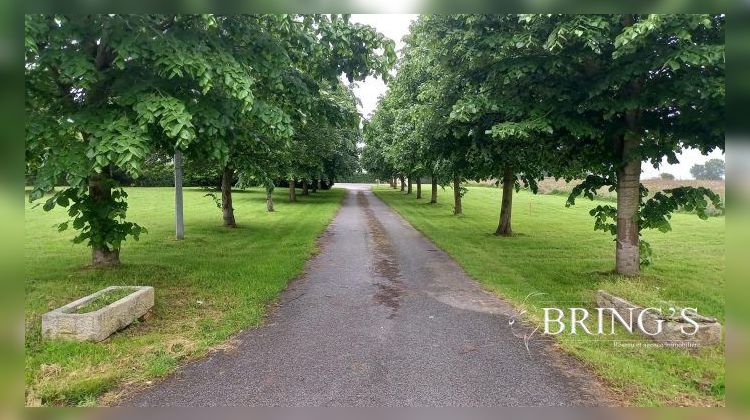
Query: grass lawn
point(555, 251)
point(216, 282)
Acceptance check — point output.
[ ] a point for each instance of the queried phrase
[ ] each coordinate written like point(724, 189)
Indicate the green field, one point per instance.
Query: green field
point(209, 286)
point(556, 252)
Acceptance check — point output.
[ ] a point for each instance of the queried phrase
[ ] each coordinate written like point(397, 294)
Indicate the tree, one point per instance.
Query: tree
point(468, 110)
point(631, 88)
point(373, 158)
point(504, 118)
point(410, 133)
point(298, 72)
point(572, 96)
point(712, 170)
point(326, 145)
point(666, 176)
point(102, 91)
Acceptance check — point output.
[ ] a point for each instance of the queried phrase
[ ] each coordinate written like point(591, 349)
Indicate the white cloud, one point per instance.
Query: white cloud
point(394, 26)
point(389, 6)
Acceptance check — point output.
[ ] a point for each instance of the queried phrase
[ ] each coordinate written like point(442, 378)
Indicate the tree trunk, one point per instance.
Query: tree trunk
point(506, 206)
point(433, 197)
point(104, 257)
point(226, 197)
point(457, 195)
point(269, 199)
point(408, 184)
point(627, 251)
point(179, 221)
point(292, 191)
point(394, 184)
point(100, 192)
point(627, 255)
point(305, 187)
point(419, 188)
point(403, 183)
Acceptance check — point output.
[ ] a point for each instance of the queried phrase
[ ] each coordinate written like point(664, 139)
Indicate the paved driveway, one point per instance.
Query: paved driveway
point(380, 318)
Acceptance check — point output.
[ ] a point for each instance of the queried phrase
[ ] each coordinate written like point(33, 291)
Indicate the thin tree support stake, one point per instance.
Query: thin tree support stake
point(433, 197)
point(179, 221)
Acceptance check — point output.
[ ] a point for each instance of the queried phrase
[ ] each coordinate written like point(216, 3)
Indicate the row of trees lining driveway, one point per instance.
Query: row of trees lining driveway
point(260, 97)
point(585, 97)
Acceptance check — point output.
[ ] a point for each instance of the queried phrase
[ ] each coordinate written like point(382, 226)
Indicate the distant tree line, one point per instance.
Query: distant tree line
point(712, 170)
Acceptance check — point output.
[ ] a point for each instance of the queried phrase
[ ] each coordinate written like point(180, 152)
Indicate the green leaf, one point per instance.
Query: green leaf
point(49, 205)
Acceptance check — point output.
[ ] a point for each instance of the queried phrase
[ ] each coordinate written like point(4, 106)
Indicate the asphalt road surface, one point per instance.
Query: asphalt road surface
point(381, 317)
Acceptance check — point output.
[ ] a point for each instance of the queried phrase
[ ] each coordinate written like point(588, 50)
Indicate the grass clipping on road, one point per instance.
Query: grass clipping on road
point(214, 283)
point(556, 253)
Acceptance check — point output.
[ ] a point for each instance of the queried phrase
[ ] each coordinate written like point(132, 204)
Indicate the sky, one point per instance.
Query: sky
point(395, 26)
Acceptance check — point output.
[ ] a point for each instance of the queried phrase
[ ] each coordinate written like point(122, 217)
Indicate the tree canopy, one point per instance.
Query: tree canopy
point(103, 91)
point(586, 97)
point(712, 170)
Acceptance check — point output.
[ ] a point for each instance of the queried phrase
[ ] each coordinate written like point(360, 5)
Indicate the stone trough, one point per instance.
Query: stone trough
point(65, 323)
point(708, 333)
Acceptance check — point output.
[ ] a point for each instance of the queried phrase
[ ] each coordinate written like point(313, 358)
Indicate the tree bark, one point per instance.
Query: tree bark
point(104, 257)
point(394, 184)
point(409, 184)
point(179, 221)
point(403, 183)
point(305, 187)
point(269, 199)
point(100, 191)
point(433, 197)
point(457, 209)
point(506, 206)
point(419, 188)
point(226, 197)
point(292, 191)
point(627, 255)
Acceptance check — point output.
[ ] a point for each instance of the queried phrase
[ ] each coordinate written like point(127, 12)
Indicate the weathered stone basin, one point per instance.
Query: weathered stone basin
point(672, 327)
point(65, 323)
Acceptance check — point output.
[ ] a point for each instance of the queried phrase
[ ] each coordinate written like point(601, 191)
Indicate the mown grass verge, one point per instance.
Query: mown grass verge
point(214, 283)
